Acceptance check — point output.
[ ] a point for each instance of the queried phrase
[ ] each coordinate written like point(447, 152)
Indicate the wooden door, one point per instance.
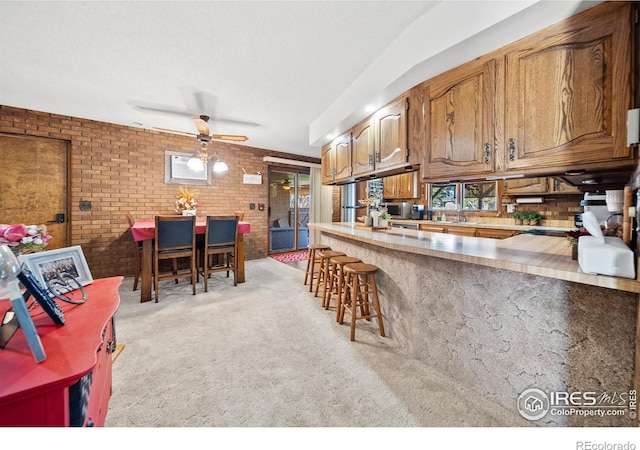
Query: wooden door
point(391, 135)
point(461, 127)
point(568, 92)
point(34, 187)
point(363, 148)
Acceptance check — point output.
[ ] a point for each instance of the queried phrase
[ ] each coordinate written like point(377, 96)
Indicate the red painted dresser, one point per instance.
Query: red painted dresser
point(72, 387)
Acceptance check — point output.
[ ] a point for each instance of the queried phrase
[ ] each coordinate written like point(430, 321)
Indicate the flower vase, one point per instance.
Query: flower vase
point(383, 223)
point(188, 212)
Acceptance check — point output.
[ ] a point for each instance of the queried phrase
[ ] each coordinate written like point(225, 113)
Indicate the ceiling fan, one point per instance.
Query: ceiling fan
point(203, 135)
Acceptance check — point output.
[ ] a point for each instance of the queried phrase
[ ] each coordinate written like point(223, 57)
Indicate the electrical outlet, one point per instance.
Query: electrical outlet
point(252, 206)
point(85, 205)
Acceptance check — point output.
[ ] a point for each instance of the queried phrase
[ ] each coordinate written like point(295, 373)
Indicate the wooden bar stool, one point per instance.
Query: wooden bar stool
point(323, 272)
point(312, 259)
point(336, 281)
point(360, 292)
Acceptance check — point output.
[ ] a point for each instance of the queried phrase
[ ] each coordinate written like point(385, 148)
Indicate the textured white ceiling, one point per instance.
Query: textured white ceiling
point(292, 70)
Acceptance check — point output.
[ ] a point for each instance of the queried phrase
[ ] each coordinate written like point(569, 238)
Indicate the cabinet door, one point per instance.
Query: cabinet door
point(407, 185)
point(494, 233)
point(416, 123)
point(328, 164)
point(389, 187)
point(568, 91)
point(461, 126)
point(391, 135)
point(342, 149)
point(363, 148)
point(526, 186)
point(461, 231)
point(560, 187)
point(432, 228)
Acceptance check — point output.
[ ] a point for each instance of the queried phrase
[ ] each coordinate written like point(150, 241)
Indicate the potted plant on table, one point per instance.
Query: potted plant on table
point(384, 218)
point(519, 217)
point(573, 237)
point(533, 218)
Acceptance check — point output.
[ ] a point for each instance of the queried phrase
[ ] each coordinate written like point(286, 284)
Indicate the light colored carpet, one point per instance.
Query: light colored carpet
point(265, 354)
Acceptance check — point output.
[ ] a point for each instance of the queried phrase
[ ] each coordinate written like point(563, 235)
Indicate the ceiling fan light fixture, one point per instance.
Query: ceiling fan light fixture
point(196, 162)
point(219, 166)
point(286, 186)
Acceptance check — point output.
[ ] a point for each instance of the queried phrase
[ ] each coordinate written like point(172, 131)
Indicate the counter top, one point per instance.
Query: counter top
point(480, 224)
point(546, 256)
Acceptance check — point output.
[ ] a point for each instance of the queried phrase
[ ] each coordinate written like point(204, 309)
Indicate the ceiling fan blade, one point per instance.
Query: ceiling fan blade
point(229, 137)
point(162, 109)
point(183, 133)
point(235, 122)
point(202, 126)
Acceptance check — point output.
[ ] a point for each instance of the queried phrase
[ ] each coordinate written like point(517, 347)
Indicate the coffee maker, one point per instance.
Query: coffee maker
point(417, 212)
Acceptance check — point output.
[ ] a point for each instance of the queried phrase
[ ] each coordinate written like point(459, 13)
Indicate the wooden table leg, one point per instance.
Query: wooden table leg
point(240, 259)
point(145, 276)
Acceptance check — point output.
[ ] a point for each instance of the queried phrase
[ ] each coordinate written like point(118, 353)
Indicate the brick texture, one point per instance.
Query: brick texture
point(120, 169)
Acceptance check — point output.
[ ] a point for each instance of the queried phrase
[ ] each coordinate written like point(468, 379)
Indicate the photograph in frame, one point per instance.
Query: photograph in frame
point(49, 264)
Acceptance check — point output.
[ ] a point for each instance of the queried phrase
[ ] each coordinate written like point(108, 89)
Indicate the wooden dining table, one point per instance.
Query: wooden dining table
point(145, 231)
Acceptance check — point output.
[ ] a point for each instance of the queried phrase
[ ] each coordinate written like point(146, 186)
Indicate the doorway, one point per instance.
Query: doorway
point(289, 206)
point(35, 189)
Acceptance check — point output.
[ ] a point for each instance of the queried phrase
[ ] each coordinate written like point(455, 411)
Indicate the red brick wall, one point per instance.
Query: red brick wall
point(121, 169)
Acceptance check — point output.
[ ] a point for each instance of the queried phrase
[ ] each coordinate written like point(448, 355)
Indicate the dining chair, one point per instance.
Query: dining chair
point(175, 237)
point(137, 253)
point(240, 214)
point(220, 247)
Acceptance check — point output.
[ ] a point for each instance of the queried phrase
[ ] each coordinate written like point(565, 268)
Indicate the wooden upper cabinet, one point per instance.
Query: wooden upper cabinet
point(401, 186)
point(342, 148)
point(568, 90)
point(526, 186)
point(460, 133)
point(363, 148)
point(417, 122)
point(391, 135)
point(336, 160)
point(328, 164)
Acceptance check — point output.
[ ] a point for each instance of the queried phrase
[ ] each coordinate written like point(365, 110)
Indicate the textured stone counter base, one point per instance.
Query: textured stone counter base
point(501, 332)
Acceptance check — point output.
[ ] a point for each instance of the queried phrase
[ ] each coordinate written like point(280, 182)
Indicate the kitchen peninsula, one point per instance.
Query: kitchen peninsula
point(501, 316)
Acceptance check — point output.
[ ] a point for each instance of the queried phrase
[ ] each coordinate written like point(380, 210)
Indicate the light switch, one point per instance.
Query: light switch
point(260, 206)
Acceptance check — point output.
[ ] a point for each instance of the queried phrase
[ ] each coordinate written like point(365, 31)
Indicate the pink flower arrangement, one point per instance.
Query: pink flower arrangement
point(24, 238)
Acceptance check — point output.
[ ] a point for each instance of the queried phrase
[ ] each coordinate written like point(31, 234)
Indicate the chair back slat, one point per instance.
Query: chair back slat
point(175, 232)
point(221, 230)
point(130, 219)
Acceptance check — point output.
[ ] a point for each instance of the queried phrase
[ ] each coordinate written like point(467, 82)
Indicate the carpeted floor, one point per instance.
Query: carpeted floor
point(265, 354)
